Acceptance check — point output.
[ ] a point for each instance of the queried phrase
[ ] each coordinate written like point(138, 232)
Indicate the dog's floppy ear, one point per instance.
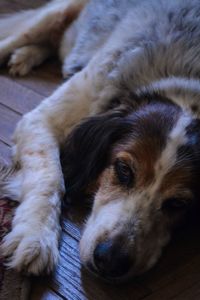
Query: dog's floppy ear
point(86, 151)
point(192, 152)
point(193, 135)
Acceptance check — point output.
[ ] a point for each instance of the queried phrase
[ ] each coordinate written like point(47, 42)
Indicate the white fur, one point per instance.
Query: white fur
point(32, 245)
point(183, 91)
point(167, 160)
point(37, 138)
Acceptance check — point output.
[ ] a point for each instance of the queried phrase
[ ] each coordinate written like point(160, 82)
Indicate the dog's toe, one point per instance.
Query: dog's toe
point(32, 253)
point(20, 63)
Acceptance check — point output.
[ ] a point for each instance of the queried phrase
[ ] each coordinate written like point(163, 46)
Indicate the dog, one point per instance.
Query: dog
point(123, 129)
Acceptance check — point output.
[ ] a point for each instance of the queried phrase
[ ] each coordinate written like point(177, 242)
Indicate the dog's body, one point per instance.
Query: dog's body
point(137, 65)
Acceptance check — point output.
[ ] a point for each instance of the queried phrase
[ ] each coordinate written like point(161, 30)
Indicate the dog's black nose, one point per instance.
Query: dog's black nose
point(111, 259)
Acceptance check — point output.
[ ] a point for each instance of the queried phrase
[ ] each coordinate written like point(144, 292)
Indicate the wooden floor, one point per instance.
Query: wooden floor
point(176, 276)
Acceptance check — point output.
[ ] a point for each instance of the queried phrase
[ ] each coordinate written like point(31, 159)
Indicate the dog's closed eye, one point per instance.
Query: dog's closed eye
point(124, 173)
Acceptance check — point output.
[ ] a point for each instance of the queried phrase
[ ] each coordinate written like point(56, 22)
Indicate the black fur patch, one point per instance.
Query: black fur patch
point(189, 154)
point(87, 150)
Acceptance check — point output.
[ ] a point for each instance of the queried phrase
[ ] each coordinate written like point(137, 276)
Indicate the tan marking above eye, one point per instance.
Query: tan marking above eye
point(126, 157)
point(140, 163)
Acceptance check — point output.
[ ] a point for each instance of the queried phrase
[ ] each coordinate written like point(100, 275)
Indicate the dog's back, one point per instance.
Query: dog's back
point(163, 36)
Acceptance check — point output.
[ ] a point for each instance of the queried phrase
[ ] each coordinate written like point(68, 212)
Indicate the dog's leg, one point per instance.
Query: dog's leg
point(33, 242)
point(24, 59)
point(90, 33)
point(45, 23)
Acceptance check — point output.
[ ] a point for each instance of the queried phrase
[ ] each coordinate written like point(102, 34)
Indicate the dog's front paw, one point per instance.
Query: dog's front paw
point(30, 250)
point(21, 62)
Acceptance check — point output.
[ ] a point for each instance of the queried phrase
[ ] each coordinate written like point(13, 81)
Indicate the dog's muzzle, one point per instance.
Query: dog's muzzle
point(111, 260)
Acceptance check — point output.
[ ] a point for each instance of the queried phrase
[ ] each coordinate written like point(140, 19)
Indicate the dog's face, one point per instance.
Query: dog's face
point(144, 185)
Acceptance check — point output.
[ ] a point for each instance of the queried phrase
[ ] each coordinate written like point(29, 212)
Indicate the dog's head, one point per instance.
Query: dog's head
point(143, 168)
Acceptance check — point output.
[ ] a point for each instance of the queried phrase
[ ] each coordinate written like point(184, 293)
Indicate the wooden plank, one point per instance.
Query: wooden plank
point(192, 293)
point(181, 256)
point(184, 280)
point(5, 153)
point(8, 121)
point(17, 97)
point(43, 79)
point(38, 292)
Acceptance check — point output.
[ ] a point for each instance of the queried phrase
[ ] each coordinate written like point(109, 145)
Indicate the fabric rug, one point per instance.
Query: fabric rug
point(13, 286)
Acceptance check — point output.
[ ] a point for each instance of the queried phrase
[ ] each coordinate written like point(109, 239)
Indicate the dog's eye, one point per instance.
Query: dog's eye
point(124, 173)
point(175, 205)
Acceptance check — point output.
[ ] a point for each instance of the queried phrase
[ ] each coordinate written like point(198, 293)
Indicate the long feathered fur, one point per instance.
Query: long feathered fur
point(9, 182)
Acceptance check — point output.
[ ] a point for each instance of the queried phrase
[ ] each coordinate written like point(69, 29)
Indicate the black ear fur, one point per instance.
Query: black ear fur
point(86, 151)
point(193, 135)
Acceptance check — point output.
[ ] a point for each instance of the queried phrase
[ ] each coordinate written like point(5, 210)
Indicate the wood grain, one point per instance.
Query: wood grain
point(5, 153)
point(17, 97)
point(8, 121)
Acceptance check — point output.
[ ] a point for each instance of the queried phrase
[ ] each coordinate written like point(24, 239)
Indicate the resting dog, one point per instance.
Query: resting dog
point(130, 113)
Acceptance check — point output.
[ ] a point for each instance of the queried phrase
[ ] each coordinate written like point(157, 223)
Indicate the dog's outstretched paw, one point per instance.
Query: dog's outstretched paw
point(30, 251)
point(21, 62)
